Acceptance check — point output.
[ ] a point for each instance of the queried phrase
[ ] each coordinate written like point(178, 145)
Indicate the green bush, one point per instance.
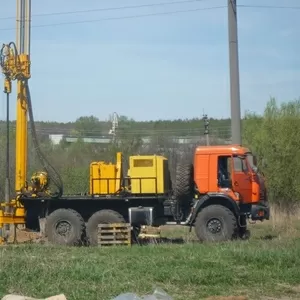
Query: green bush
point(275, 138)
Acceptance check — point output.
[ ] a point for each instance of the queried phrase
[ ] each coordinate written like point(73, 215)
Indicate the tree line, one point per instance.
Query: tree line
point(272, 136)
point(91, 126)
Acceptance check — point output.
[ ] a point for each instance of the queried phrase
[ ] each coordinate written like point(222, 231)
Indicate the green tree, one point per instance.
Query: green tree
point(275, 138)
point(88, 126)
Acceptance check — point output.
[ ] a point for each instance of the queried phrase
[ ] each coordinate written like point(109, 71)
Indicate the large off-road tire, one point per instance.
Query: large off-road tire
point(184, 183)
point(105, 216)
point(216, 223)
point(65, 227)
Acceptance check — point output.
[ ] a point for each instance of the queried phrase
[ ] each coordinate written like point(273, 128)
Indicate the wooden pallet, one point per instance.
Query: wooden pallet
point(150, 232)
point(114, 234)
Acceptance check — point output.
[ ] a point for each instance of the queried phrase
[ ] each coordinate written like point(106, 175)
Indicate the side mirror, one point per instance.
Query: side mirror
point(254, 160)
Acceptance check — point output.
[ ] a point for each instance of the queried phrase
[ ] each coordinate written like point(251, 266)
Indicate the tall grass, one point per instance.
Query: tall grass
point(265, 266)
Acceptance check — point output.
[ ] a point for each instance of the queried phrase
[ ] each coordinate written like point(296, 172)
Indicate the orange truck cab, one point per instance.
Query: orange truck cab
point(224, 189)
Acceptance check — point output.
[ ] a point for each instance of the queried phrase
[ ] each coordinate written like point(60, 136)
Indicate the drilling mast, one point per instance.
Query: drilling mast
point(23, 49)
point(15, 64)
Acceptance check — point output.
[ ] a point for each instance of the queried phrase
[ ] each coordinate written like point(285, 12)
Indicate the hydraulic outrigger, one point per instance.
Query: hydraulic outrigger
point(15, 64)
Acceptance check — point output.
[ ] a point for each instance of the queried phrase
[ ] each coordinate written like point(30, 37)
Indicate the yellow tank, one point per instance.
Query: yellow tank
point(105, 178)
point(102, 178)
point(149, 174)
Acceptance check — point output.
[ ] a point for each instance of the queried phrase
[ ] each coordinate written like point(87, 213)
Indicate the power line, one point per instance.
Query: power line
point(109, 8)
point(269, 6)
point(142, 15)
point(140, 128)
point(131, 133)
point(124, 130)
point(145, 5)
point(121, 18)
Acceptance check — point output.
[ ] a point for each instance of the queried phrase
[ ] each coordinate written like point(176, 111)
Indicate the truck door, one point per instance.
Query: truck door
point(241, 179)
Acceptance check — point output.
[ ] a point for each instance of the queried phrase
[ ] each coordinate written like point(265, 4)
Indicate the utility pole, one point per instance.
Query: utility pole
point(234, 74)
point(206, 128)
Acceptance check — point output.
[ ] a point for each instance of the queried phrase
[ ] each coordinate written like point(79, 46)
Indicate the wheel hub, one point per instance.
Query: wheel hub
point(63, 228)
point(214, 225)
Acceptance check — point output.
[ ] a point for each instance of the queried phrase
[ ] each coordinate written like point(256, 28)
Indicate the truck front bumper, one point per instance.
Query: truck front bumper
point(260, 212)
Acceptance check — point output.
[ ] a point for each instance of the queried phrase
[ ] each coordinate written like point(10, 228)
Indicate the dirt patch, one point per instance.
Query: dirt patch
point(21, 236)
point(274, 298)
point(227, 298)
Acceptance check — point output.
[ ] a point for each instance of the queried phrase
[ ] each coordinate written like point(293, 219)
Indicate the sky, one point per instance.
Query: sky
point(173, 66)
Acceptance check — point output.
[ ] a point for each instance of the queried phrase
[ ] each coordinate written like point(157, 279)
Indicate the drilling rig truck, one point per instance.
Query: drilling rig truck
point(216, 193)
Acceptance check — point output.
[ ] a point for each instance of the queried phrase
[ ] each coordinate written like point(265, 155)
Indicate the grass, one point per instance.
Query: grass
point(265, 266)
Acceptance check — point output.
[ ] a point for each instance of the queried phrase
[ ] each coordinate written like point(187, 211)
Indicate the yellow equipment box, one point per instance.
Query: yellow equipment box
point(102, 178)
point(149, 174)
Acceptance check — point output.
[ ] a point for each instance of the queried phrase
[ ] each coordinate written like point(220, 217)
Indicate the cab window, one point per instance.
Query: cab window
point(224, 171)
point(240, 165)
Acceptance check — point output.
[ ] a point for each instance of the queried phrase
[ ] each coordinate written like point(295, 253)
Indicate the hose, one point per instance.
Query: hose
point(15, 51)
point(52, 173)
point(2, 55)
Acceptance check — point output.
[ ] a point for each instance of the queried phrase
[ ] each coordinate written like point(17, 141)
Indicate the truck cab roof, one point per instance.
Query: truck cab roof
point(230, 149)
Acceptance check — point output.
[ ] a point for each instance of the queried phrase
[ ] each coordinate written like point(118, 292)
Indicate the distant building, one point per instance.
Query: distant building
point(56, 138)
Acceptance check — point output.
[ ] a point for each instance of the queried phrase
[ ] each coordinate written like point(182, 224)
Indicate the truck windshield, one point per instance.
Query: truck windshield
point(250, 160)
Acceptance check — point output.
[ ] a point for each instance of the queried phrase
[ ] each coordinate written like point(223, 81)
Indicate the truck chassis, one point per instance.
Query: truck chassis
point(73, 219)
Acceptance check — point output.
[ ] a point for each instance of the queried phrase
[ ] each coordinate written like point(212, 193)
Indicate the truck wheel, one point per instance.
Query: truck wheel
point(215, 223)
point(105, 216)
point(184, 183)
point(65, 227)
